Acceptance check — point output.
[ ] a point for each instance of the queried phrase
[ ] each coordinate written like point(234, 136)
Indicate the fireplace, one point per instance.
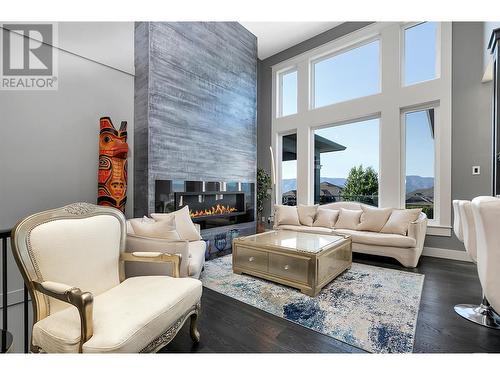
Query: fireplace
point(211, 204)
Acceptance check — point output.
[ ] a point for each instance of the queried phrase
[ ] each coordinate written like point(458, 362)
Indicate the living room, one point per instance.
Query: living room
point(236, 184)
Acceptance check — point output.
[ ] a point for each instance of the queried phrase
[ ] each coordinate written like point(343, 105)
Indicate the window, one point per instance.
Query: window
point(346, 163)
point(289, 170)
point(368, 132)
point(420, 53)
point(348, 75)
point(288, 94)
point(419, 143)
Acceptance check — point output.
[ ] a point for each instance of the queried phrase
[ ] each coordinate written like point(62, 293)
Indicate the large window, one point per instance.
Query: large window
point(420, 53)
point(346, 161)
point(289, 170)
point(371, 120)
point(348, 75)
point(420, 158)
point(288, 94)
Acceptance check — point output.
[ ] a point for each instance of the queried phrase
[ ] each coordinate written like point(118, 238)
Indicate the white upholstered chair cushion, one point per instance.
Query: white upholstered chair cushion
point(303, 228)
point(307, 214)
point(164, 229)
point(183, 224)
point(486, 211)
point(326, 218)
point(468, 228)
point(400, 220)
point(379, 239)
point(348, 219)
point(126, 318)
point(373, 219)
point(457, 221)
point(86, 250)
point(286, 215)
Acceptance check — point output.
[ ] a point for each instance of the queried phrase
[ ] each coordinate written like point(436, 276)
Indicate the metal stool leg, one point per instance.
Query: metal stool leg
point(482, 314)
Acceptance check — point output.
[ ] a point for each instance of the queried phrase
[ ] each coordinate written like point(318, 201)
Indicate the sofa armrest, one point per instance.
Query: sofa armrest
point(141, 244)
point(418, 230)
point(198, 228)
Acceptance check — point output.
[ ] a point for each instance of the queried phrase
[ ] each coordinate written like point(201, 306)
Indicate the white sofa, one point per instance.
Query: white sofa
point(405, 249)
point(192, 254)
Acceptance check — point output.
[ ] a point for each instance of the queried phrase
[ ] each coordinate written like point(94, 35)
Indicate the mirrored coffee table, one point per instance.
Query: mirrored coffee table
point(304, 260)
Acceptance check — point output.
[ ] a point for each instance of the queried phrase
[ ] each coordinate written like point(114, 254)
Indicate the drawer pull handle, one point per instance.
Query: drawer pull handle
point(286, 267)
point(251, 259)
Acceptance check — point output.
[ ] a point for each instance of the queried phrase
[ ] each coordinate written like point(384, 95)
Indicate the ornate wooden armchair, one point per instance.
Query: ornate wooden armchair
point(72, 260)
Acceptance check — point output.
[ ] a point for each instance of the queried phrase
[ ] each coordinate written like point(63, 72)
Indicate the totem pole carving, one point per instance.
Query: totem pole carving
point(113, 150)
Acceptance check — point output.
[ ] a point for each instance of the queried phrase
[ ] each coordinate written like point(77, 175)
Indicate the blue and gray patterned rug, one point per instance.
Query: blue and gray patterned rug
point(372, 308)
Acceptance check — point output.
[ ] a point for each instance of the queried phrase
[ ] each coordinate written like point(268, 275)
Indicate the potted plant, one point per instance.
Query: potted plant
point(263, 188)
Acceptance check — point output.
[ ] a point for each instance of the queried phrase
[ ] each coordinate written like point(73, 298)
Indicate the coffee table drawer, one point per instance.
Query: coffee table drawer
point(291, 268)
point(253, 259)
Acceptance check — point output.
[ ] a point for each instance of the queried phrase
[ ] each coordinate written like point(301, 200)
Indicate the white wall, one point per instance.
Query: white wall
point(49, 139)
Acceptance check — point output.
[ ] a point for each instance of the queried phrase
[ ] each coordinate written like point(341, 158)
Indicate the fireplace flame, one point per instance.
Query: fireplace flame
point(214, 210)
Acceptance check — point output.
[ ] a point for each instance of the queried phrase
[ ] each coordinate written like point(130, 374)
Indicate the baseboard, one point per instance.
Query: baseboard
point(446, 254)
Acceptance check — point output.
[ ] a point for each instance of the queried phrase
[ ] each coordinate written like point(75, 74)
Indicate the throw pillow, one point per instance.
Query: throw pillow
point(400, 220)
point(183, 223)
point(326, 218)
point(157, 229)
point(373, 219)
point(348, 219)
point(307, 214)
point(286, 215)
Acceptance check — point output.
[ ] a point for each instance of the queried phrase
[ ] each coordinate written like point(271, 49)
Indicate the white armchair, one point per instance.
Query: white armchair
point(72, 261)
point(193, 254)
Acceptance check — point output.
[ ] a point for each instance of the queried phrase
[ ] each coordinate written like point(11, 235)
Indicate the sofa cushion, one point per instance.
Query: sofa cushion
point(400, 220)
point(126, 318)
point(303, 228)
point(379, 239)
point(183, 224)
point(326, 218)
point(164, 229)
point(373, 219)
point(348, 219)
point(286, 215)
point(307, 214)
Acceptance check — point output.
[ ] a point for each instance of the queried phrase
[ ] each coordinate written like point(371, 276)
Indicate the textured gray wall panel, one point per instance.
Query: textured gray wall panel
point(201, 104)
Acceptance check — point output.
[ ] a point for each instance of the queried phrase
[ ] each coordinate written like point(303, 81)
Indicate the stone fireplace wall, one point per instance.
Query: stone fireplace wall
point(195, 105)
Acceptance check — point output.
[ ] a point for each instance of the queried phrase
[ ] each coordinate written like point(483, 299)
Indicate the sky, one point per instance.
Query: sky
point(359, 78)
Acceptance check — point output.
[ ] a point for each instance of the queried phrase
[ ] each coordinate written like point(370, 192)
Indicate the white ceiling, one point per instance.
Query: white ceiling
point(274, 37)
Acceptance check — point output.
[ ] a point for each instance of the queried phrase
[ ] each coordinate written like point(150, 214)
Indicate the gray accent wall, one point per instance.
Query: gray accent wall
point(471, 134)
point(471, 121)
point(195, 105)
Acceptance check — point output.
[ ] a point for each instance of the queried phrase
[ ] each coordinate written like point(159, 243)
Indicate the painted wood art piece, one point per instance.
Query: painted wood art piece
point(113, 150)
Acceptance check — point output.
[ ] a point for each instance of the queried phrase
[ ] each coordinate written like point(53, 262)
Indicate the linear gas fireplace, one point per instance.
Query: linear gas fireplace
point(211, 204)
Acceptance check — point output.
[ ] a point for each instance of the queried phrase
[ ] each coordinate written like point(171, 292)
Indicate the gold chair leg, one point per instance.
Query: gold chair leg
point(195, 334)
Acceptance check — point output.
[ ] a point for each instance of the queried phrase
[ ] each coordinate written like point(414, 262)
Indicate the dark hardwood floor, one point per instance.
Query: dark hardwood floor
point(230, 326)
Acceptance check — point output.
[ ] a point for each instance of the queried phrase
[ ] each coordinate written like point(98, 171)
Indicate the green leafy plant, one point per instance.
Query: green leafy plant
point(263, 186)
point(361, 185)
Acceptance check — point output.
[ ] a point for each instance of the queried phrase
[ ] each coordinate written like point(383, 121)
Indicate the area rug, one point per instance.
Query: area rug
point(372, 308)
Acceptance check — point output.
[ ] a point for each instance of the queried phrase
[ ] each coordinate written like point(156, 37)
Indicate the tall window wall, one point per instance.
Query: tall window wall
point(370, 115)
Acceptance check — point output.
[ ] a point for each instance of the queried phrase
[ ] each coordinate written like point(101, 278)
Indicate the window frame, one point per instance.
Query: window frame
point(387, 105)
